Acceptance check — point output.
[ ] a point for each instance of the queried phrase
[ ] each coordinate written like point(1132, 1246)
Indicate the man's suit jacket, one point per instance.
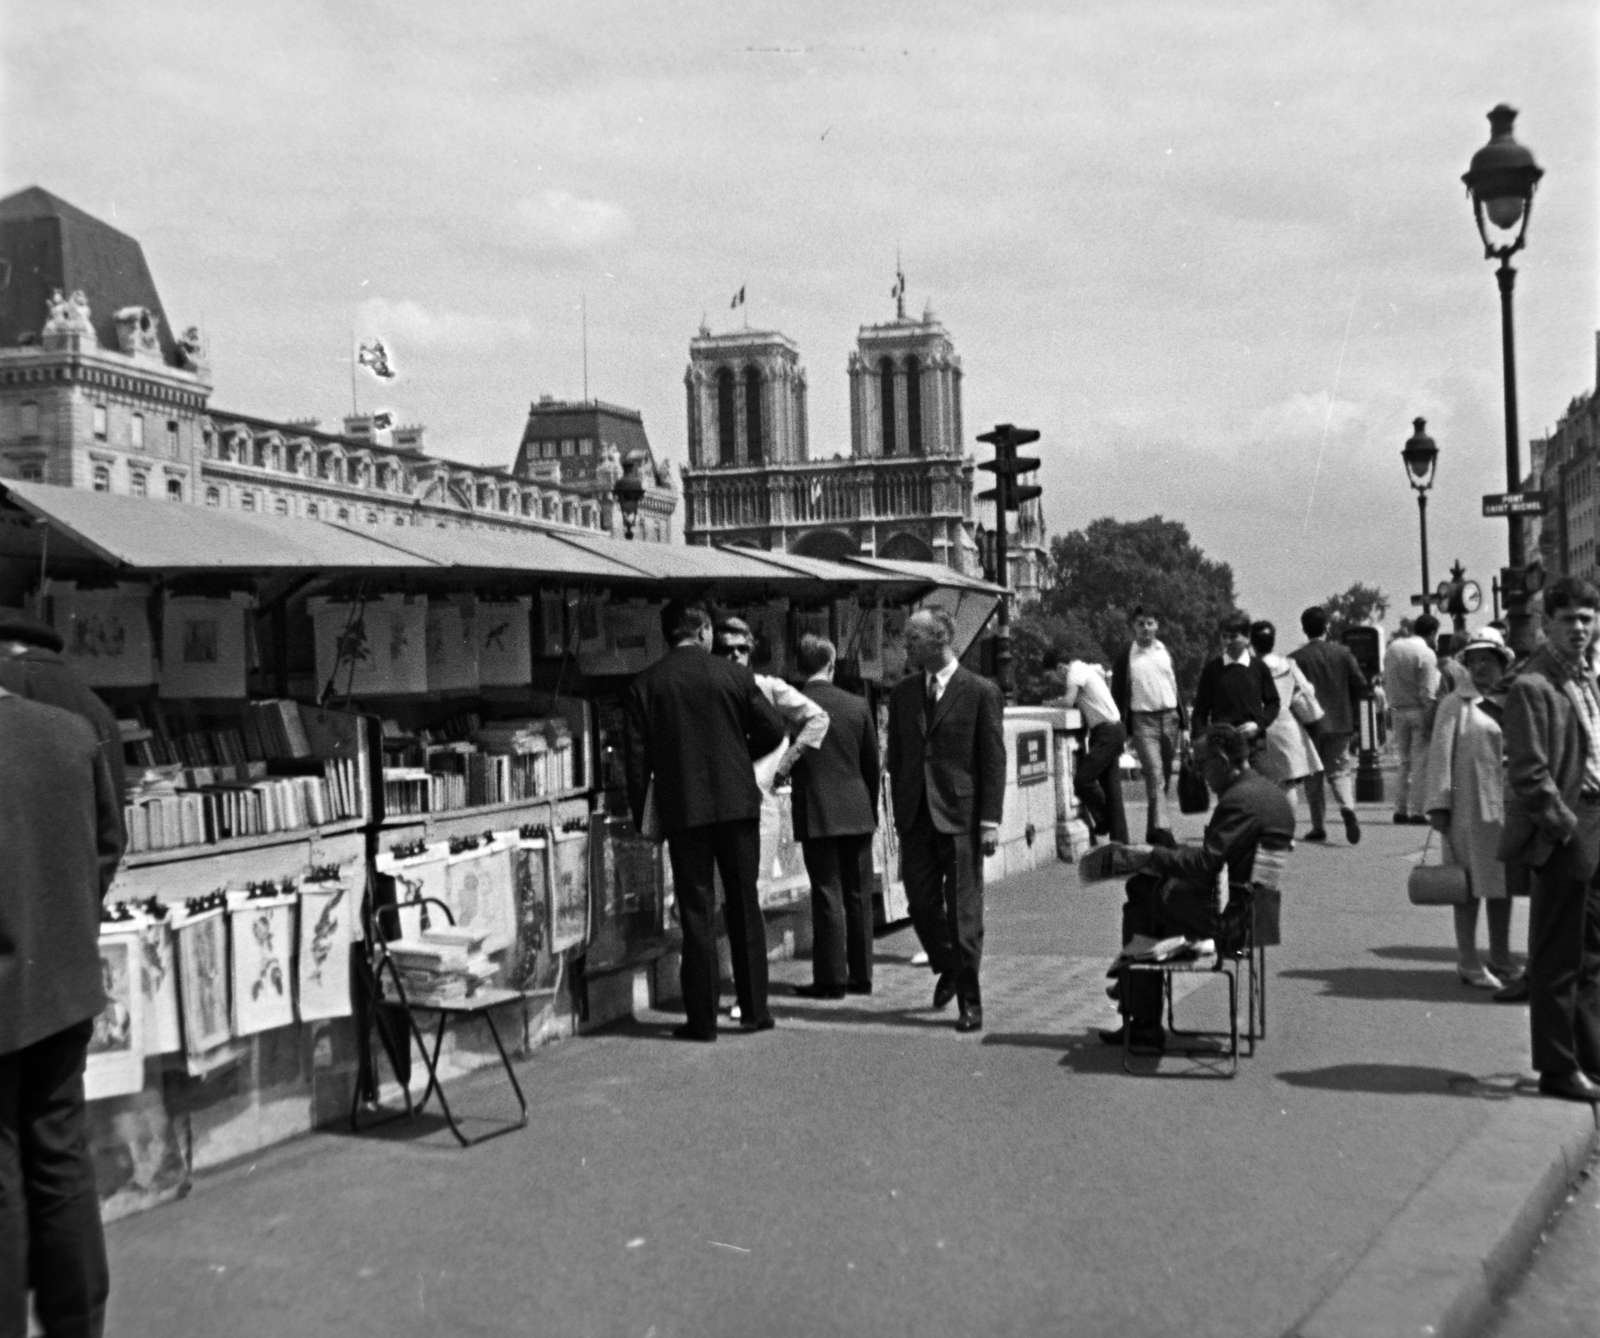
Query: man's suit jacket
point(1336, 675)
point(44, 675)
point(1545, 750)
point(1122, 689)
point(61, 834)
point(694, 723)
point(836, 784)
point(957, 759)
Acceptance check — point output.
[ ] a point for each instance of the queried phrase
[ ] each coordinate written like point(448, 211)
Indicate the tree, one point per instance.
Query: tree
point(1357, 606)
point(1038, 638)
point(1101, 573)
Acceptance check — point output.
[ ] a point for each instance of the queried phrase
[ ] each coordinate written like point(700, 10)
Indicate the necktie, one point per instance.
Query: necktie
point(933, 695)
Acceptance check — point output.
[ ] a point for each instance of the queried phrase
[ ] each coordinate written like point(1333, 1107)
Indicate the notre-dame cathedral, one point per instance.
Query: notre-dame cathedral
point(904, 491)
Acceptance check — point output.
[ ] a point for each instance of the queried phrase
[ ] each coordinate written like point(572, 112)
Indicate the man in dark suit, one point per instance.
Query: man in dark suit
point(835, 798)
point(1339, 685)
point(694, 726)
point(947, 768)
point(61, 833)
point(1552, 752)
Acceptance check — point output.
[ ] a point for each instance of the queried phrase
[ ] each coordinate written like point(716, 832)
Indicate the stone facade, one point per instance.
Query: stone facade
point(904, 491)
point(1566, 468)
point(110, 400)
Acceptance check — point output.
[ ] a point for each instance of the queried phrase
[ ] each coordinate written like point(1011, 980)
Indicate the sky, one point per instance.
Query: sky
point(1218, 253)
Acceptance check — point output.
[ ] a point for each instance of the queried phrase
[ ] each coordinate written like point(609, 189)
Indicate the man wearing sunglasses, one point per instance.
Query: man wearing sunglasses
point(807, 722)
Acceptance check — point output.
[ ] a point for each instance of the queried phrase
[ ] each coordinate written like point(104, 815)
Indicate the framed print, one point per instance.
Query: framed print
point(261, 937)
point(115, 1064)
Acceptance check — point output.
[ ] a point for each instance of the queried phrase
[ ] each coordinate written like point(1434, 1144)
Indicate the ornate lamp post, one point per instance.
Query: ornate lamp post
point(629, 492)
point(1501, 182)
point(1421, 457)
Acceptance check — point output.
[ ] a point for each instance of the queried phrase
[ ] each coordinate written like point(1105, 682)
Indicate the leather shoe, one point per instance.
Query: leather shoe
point(758, 1024)
point(1315, 834)
point(858, 987)
point(1514, 990)
point(1145, 1036)
point(686, 1032)
point(971, 1018)
point(1574, 1086)
point(945, 990)
point(819, 991)
point(1352, 826)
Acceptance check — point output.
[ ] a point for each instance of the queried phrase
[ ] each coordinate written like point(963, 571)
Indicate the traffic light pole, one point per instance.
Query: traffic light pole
point(1007, 495)
point(1002, 578)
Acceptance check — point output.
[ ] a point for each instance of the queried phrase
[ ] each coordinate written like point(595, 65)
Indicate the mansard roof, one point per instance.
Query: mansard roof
point(46, 244)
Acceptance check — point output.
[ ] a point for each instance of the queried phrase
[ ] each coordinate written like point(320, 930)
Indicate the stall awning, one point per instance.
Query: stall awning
point(501, 552)
point(691, 564)
point(143, 534)
point(820, 569)
point(934, 573)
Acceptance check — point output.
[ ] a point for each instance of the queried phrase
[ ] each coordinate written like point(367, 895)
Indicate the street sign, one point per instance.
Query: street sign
point(1513, 504)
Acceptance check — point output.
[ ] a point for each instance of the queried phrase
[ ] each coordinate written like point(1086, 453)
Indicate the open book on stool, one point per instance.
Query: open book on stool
point(1141, 948)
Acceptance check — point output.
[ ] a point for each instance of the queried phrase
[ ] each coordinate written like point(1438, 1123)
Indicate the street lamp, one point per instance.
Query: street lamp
point(1421, 457)
point(1501, 182)
point(629, 492)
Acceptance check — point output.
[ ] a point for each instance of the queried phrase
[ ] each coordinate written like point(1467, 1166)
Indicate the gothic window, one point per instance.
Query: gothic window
point(886, 405)
point(913, 406)
point(135, 431)
point(100, 428)
point(752, 413)
point(174, 490)
point(726, 434)
point(102, 478)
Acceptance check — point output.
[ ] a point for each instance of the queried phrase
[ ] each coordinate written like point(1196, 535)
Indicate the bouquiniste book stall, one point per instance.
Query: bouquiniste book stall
point(318, 719)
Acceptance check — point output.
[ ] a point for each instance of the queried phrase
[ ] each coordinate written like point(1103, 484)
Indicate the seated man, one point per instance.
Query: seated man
point(1175, 890)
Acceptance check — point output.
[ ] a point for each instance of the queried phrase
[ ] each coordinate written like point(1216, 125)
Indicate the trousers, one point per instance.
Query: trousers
point(1098, 781)
point(1564, 974)
point(1411, 739)
point(1334, 750)
point(50, 1234)
point(732, 849)
point(943, 874)
point(1158, 908)
point(1155, 742)
point(840, 868)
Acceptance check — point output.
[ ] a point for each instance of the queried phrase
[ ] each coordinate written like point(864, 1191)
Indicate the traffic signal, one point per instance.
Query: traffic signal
point(1008, 494)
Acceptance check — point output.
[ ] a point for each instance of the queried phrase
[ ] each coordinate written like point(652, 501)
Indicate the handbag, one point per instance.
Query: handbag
point(1437, 884)
point(1303, 705)
point(1193, 794)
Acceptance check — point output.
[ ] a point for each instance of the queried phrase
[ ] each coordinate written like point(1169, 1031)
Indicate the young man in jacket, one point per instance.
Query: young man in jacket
point(1552, 754)
point(1339, 685)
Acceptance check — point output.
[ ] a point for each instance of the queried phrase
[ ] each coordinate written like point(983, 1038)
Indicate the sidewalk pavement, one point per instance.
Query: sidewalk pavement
point(1375, 1169)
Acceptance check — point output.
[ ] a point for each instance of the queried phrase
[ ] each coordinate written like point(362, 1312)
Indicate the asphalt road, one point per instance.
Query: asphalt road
point(863, 1169)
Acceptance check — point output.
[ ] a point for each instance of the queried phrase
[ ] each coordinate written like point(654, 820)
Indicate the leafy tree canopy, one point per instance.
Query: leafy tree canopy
point(1360, 604)
point(1099, 574)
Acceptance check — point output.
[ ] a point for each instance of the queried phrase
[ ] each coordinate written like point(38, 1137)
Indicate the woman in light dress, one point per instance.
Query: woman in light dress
point(1466, 803)
point(1290, 755)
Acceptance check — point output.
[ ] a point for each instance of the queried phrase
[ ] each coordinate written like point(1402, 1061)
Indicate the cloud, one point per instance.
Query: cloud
point(562, 221)
point(407, 323)
point(1303, 415)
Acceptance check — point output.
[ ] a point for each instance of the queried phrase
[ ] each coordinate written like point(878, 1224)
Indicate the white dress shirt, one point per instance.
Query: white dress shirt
point(1152, 682)
point(1088, 691)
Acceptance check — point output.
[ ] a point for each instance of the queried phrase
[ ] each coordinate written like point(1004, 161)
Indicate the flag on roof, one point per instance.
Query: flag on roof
point(382, 422)
point(738, 299)
point(374, 356)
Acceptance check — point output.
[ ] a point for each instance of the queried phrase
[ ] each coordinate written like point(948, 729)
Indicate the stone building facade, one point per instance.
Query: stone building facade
point(904, 491)
point(1566, 468)
point(97, 392)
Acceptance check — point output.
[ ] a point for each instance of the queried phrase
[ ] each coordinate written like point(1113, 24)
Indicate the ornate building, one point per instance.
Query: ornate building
point(96, 392)
point(905, 490)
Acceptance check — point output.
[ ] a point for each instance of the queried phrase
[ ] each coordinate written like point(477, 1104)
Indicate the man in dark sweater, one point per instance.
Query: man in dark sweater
point(1236, 687)
point(1175, 890)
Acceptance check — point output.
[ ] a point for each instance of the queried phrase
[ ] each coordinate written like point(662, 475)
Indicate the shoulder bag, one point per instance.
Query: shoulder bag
point(1437, 884)
point(1303, 703)
point(1193, 794)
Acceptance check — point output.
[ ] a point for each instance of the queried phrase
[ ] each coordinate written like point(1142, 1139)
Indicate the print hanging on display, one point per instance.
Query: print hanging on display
point(479, 893)
point(569, 890)
point(452, 647)
point(531, 875)
point(115, 1064)
point(107, 633)
point(322, 959)
point(415, 877)
point(261, 932)
point(505, 647)
point(203, 646)
point(158, 972)
point(202, 953)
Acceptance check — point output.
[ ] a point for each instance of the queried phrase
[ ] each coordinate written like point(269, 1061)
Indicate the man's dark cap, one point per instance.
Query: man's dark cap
point(15, 625)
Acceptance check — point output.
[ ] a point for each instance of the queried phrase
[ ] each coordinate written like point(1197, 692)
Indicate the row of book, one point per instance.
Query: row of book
point(267, 730)
point(161, 816)
point(454, 780)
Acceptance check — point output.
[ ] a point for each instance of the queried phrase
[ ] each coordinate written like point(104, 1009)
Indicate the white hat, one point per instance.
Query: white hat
point(1488, 638)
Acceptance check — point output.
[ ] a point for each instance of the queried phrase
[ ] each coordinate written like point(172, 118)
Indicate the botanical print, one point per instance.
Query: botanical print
point(261, 932)
point(203, 982)
point(158, 972)
point(115, 1065)
point(200, 637)
point(569, 891)
point(480, 894)
point(323, 987)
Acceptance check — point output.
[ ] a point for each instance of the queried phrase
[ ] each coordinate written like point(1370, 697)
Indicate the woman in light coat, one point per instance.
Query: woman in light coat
point(1290, 755)
point(1466, 803)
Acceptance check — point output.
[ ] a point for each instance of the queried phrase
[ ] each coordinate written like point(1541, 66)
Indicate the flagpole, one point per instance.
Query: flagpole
point(583, 306)
point(355, 409)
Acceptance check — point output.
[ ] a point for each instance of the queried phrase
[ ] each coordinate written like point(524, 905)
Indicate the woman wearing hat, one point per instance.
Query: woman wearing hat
point(1466, 802)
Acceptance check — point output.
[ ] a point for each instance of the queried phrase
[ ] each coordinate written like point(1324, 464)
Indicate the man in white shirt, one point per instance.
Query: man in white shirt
point(1410, 683)
point(1144, 685)
point(807, 722)
point(1098, 779)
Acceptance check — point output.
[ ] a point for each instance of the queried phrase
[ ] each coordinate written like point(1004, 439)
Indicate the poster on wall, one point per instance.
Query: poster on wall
point(261, 934)
point(569, 890)
point(203, 646)
point(452, 646)
point(107, 633)
point(322, 957)
point(480, 893)
point(376, 646)
point(158, 978)
point(502, 633)
point(115, 1064)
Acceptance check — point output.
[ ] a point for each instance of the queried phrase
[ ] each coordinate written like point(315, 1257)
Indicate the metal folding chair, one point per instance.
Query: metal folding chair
point(482, 1004)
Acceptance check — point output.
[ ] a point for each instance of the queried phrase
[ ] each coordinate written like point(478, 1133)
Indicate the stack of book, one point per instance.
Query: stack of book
point(442, 966)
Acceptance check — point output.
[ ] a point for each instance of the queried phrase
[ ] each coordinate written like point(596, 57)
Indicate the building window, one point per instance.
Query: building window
point(752, 414)
point(136, 432)
point(32, 472)
point(247, 501)
point(344, 513)
point(140, 486)
point(174, 490)
point(399, 520)
point(548, 450)
point(172, 437)
point(208, 444)
point(280, 506)
point(586, 446)
point(568, 446)
point(213, 497)
point(372, 518)
point(913, 407)
point(102, 478)
point(311, 510)
point(100, 429)
point(886, 405)
point(30, 419)
point(727, 432)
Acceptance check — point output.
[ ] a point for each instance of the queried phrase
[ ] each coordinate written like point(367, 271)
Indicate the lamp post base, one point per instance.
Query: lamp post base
point(1369, 775)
